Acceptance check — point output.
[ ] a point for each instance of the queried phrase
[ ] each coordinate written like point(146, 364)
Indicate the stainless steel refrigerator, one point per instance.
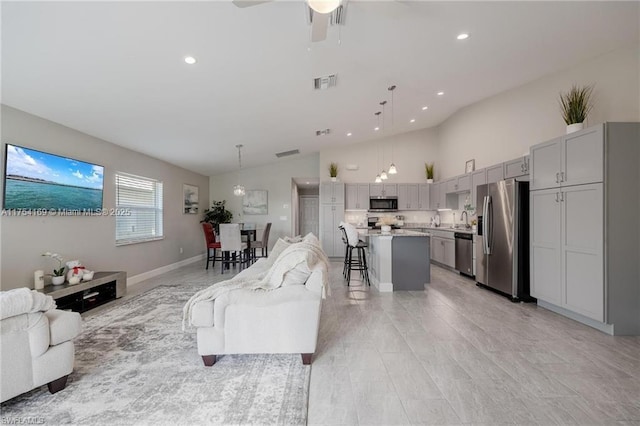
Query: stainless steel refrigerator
point(502, 244)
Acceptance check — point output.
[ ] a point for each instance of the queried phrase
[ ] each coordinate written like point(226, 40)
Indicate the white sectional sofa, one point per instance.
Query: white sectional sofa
point(244, 321)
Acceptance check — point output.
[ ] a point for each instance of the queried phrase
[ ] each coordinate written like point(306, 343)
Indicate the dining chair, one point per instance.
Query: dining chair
point(263, 244)
point(235, 251)
point(212, 244)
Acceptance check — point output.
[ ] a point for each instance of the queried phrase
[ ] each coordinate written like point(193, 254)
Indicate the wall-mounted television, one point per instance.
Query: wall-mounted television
point(38, 180)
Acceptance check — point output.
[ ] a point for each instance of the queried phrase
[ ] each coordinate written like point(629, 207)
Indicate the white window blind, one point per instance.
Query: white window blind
point(138, 209)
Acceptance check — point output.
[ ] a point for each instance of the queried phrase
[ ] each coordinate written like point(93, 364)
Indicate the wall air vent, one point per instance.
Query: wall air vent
point(323, 83)
point(323, 132)
point(287, 153)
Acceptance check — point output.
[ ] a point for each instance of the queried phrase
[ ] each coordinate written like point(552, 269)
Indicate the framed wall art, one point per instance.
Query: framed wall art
point(255, 202)
point(190, 199)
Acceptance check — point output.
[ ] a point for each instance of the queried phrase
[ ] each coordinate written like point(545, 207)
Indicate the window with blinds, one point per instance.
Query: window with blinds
point(138, 209)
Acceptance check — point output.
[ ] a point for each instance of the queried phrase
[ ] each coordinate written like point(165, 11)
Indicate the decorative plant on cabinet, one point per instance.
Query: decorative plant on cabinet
point(575, 106)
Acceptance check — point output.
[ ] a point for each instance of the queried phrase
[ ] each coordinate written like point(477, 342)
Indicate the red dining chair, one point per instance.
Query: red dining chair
point(210, 239)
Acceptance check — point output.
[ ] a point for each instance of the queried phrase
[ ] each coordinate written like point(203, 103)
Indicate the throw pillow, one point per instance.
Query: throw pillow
point(297, 275)
point(277, 249)
point(295, 239)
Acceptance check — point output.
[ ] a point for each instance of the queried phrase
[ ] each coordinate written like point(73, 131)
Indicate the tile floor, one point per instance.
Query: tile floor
point(455, 354)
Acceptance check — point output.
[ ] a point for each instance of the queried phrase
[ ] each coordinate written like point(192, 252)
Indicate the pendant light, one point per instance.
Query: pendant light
point(378, 177)
point(392, 168)
point(383, 174)
point(238, 190)
point(323, 6)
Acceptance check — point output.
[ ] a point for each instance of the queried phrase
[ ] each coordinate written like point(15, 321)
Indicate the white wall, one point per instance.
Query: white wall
point(410, 151)
point(276, 179)
point(92, 239)
point(504, 126)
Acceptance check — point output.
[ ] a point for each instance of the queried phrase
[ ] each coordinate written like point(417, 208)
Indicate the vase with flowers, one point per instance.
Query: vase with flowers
point(58, 276)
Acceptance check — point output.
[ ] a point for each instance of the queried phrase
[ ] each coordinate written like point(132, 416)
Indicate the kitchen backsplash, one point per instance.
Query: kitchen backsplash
point(359, 218)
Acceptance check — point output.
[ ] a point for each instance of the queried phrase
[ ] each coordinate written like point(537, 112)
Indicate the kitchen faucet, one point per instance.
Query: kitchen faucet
point(466, 218)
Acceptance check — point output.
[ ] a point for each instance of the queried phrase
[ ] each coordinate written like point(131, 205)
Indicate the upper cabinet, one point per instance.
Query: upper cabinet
point(495, 173)
point(424, 196)
point(383, 190)
point(357, 196)
point(332, 193)
point(573, 159)
point(516, 168)
point(479, 177)
point(408, 196)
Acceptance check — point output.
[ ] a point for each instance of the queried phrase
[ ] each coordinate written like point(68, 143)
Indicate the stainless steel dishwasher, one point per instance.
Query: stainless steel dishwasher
point(464, 253)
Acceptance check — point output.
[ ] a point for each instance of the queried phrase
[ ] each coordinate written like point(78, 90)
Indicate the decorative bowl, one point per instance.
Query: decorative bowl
point(385, 228)
point(88, 276)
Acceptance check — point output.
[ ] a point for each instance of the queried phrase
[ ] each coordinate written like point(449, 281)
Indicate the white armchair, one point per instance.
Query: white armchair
point(36, 348)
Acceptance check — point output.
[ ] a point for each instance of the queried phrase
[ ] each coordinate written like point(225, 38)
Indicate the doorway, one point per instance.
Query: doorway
point(305, 201)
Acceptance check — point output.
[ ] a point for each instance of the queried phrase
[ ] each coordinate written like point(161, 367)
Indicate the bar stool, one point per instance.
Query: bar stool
point(359, 264)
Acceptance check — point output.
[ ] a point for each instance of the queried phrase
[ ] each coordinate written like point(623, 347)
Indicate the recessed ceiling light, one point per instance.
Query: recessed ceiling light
point(463, 36)
point(349, 134)
point(440, 93)
point(376, 128)
point(424, 108)
point(190, 60)
point(413, 120)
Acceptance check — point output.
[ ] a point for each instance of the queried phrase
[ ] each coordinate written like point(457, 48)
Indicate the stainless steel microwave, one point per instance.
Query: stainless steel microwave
point(383, 204)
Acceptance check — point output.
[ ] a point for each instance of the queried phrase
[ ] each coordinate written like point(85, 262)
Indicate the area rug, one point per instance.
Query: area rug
point(135, 365)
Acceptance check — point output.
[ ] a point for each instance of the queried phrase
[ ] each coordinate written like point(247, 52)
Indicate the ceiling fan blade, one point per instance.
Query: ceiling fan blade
point(319, 26)
point(248, 3)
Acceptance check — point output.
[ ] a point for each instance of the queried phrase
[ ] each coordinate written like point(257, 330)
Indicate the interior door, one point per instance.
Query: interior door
point(309, 215)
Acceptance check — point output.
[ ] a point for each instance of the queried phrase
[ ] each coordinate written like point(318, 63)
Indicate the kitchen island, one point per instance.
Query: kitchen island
point(399, 259)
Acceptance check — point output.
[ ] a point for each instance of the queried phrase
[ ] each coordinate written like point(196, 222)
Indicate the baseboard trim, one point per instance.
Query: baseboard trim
point(605, 328)
point(162, 270)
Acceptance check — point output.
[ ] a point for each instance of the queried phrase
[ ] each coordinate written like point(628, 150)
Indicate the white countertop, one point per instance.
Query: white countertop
point(392, 233)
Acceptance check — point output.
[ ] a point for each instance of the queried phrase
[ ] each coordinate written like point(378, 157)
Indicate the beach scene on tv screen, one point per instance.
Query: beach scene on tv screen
point(37, 180)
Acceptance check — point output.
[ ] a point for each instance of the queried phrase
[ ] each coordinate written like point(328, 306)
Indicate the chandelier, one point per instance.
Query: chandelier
point(238, 190)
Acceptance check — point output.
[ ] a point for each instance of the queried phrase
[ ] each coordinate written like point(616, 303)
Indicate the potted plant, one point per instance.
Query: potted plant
point(428, 169)
point(575, 106)
point(217, 214)
point(57, 277)
point(333, 171)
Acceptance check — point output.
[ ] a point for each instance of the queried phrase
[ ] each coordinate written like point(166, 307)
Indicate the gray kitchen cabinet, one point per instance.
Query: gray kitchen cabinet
point(464, 183)
point(595, 191)
point(478, 177)
point(434, 196)
point(424, 199)
point(517, 167)
point(573, 159)
point(383, 190)
point(443, 248)
point(332, 193)
point(408, 196)
point(495, 173)
point(451, 185)
point(357, 196)
point(331, 237)
point(567, 248)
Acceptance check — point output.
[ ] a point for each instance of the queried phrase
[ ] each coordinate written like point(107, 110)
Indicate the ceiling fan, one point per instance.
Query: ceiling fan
point(321, 13)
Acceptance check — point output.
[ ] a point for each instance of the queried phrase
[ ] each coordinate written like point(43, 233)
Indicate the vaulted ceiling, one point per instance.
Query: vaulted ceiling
point(116, 70)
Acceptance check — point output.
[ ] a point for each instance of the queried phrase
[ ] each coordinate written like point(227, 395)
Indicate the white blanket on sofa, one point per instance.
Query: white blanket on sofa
point(305, 252)
point(23, 301)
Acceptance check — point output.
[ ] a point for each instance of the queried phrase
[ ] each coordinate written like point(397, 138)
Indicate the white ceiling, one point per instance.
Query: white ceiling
point(115, 70)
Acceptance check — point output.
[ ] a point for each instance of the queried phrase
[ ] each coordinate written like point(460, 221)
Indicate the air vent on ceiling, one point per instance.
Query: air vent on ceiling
point(323, 132)
point(322, 83)
point(287, 153)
